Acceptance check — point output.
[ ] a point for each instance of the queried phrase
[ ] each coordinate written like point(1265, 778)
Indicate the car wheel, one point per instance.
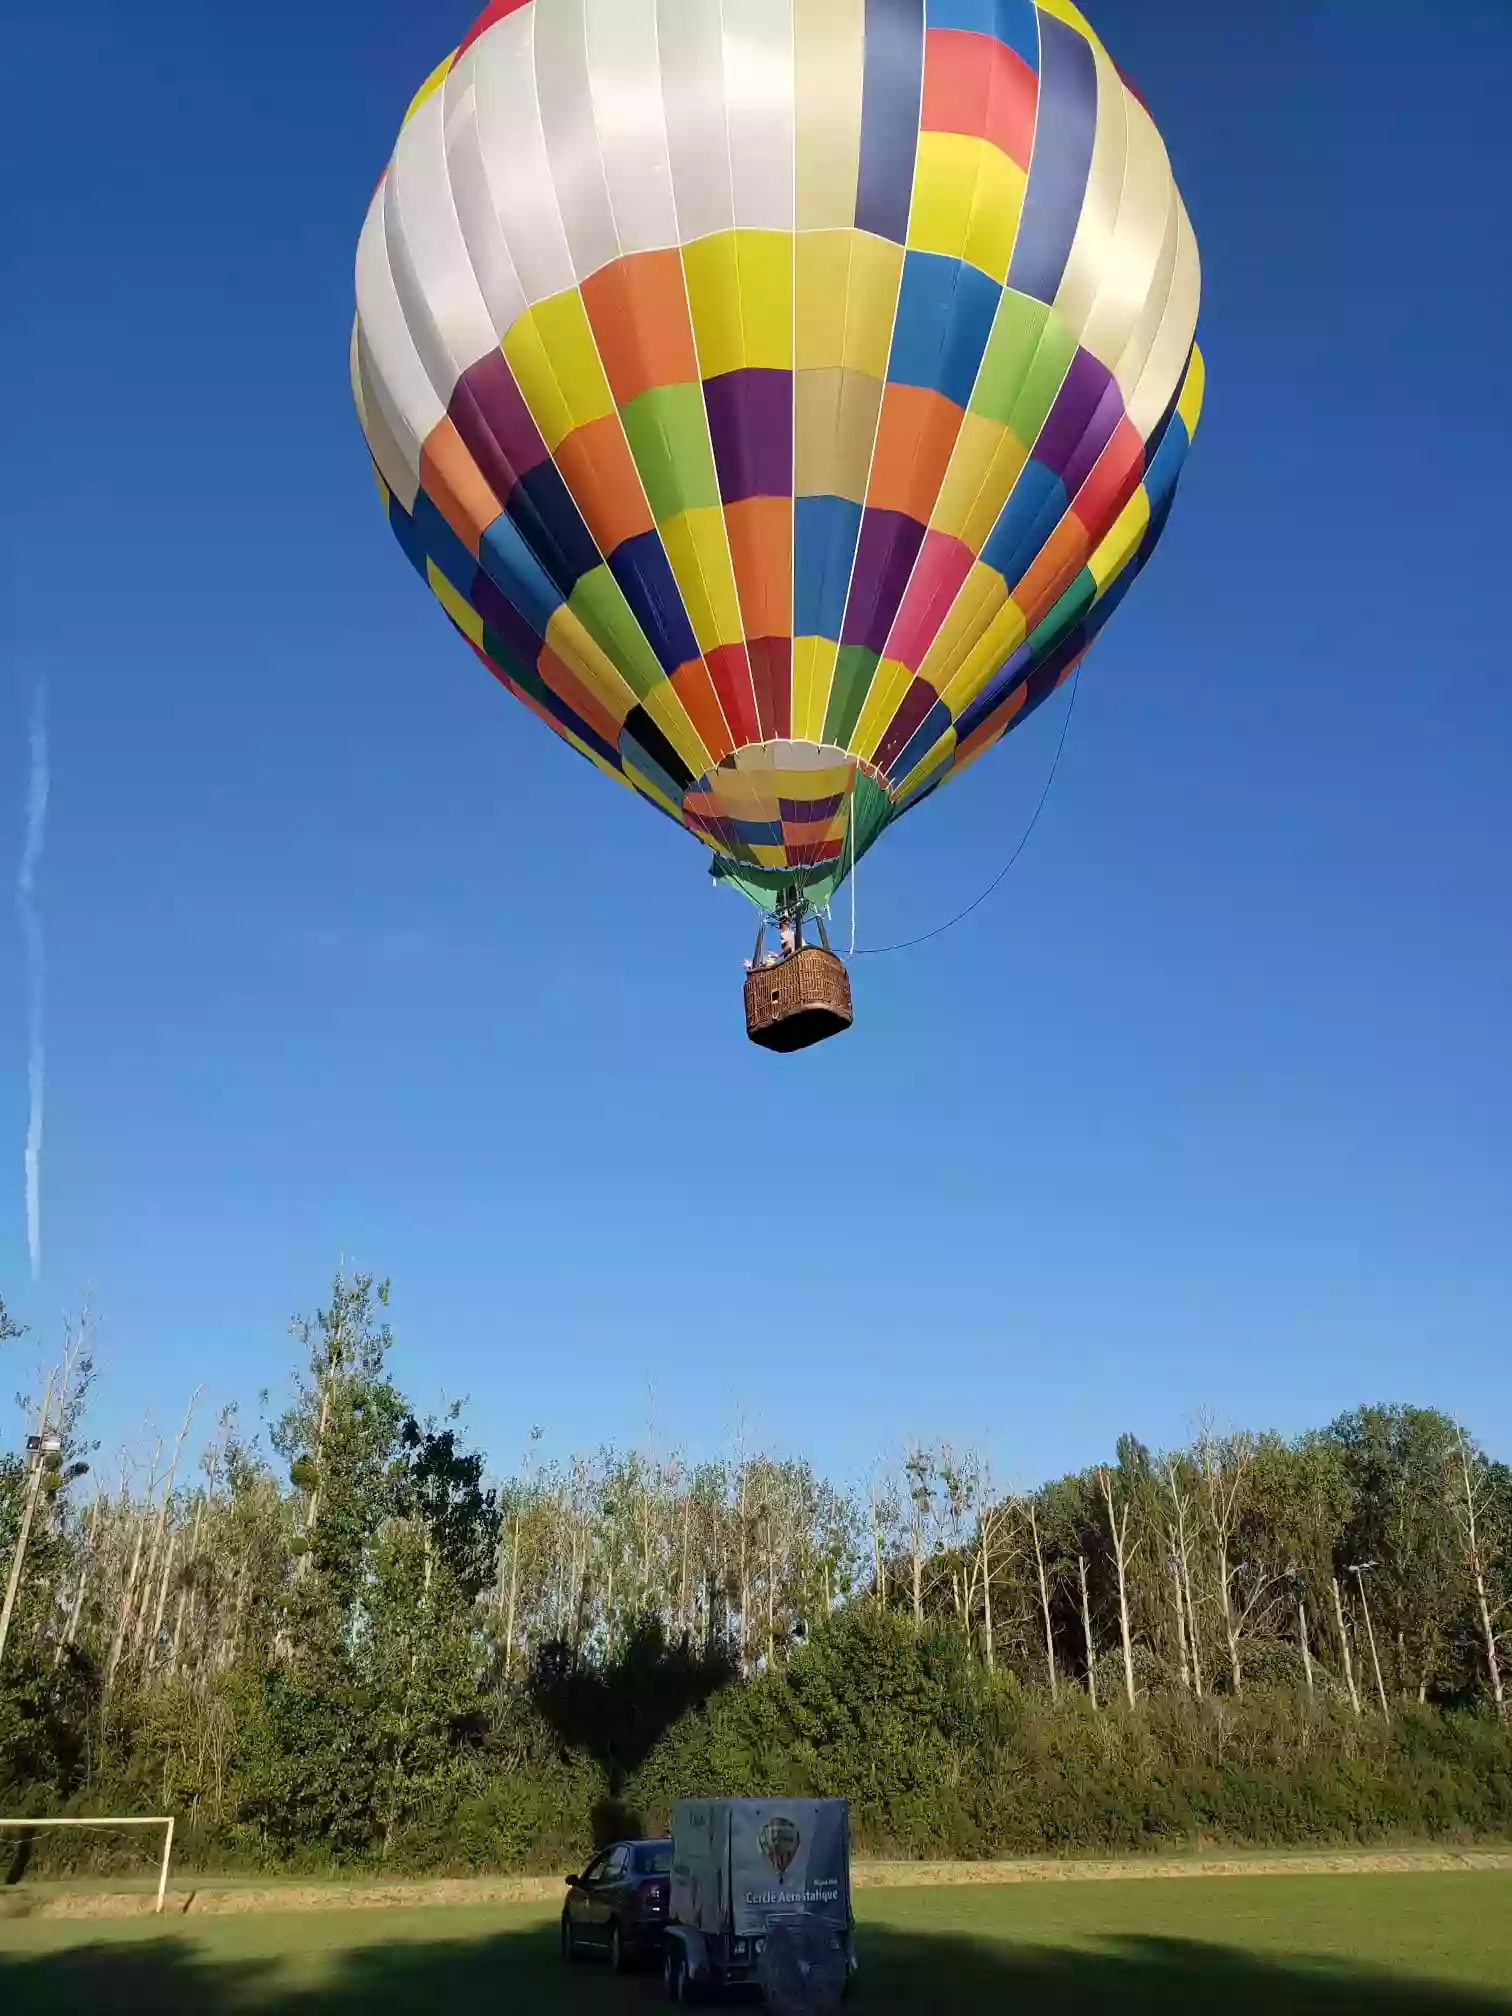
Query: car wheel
point(619, 1959)
point(569, 1940)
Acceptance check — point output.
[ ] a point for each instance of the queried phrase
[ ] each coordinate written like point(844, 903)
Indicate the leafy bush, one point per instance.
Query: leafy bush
point(514, 1823)
point(940, 1758)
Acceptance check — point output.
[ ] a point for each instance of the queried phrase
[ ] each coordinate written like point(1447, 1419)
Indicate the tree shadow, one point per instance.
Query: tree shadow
point(166, 1974)
point(519, 1972)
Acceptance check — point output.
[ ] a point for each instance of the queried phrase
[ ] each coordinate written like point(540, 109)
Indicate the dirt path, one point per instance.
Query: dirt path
point(211, 1900)
point(1342, 1862)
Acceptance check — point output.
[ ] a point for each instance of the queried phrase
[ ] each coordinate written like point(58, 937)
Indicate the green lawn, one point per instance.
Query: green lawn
point(1411, 1945)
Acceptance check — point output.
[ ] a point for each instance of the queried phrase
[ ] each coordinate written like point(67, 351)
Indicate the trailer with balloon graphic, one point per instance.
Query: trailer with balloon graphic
point(760, 1890)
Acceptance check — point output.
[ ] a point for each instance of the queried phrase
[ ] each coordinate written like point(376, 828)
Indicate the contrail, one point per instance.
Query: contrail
point(31, 926)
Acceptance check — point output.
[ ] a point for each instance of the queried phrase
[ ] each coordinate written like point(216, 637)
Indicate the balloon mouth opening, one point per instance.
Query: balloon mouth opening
point(786, 809)
point(804, 778)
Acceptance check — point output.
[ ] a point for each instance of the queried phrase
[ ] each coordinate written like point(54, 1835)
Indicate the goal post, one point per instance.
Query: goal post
point(163, 1820)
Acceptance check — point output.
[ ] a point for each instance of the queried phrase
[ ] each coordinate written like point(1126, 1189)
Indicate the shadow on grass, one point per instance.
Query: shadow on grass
point(519, 1971)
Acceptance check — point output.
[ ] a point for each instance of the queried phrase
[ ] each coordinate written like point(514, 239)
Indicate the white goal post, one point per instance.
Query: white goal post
point(163, 1820)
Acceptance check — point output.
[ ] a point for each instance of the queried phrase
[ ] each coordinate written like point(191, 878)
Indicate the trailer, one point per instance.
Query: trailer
point(741, 1867)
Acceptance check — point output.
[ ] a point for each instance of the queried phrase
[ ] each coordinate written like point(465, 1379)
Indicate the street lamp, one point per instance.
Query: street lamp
point(1359, 1570)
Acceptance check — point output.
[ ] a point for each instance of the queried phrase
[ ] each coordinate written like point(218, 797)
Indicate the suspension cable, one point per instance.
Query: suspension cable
point(907, 944)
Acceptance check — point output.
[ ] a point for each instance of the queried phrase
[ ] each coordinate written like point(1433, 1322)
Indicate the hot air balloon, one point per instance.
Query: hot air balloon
point(779, 396)
point(780, 1842)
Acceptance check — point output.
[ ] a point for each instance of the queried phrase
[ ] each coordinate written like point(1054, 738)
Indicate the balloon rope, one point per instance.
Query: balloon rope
point(853, 865)
point(907, 944)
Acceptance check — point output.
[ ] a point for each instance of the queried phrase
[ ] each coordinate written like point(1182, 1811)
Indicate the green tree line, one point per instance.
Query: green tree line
point(346, 1639)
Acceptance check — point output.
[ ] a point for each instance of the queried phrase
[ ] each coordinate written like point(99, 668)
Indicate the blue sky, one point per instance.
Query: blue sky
point(1210, 1104)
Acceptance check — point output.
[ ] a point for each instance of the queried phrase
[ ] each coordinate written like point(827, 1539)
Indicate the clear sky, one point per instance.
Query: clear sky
point(346, 955)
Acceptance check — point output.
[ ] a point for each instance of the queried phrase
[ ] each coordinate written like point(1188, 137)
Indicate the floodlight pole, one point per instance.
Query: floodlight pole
point(18, 1553)
point(1358, 1572)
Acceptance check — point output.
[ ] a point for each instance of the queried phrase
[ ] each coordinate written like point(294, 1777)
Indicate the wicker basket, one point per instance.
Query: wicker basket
point(798, 1001)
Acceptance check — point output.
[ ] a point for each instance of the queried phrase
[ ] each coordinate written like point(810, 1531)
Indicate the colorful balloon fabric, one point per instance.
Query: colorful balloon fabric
point(779, 395)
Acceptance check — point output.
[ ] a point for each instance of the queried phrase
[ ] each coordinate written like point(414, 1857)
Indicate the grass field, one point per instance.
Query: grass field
point(1356, 1945)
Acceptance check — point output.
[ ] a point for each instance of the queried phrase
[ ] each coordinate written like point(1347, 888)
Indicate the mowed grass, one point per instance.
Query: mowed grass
point(1390, 1945)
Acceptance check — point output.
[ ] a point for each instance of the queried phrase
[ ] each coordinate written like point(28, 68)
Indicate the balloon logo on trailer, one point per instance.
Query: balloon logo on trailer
point(780, 1842)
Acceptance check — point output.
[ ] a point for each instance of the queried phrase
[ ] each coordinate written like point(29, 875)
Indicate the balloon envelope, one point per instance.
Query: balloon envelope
point(779, 395)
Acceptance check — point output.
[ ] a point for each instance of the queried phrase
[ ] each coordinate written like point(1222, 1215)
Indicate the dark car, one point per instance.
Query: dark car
point(618, 1906)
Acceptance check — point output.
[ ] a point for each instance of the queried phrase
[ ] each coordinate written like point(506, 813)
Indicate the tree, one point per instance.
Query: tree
point(919, 1472)
point(1299, 1503)
point(1472, 1494)
point(339, 1435)
point(1044, 1596)
point(315, 1764)
point(1244, 1577)
point(1395, 1460)
point(340, 1639)
point(1088, 1640)
point(441, 1486)
point(419, 1672)
point(885, 1514)
point(40, 1736)
point(1123, 1552)
point(1180, 1536)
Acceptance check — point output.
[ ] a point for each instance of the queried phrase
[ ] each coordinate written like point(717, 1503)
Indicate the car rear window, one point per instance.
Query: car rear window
point(654, 1858)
